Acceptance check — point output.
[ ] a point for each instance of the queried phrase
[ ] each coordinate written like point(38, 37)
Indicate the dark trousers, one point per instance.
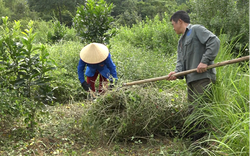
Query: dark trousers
point(198, 91)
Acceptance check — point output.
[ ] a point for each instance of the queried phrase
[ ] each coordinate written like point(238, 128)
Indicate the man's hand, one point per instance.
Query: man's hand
point(85, 86)
point(201, 68)
point(171, 77)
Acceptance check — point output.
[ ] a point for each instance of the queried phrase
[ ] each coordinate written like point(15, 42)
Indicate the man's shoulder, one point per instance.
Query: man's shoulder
point(197, 26)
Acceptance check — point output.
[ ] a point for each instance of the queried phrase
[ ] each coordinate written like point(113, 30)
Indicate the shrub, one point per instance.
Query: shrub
point(58, 32)
point(51, 32)
point(66, 57)
point(154, 35)
point(24, 69)
point(133, 63)
point(11, 107)
point(42, 28)
point(93, 21)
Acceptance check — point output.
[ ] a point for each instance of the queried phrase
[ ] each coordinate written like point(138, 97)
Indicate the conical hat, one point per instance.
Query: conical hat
point(94, 53)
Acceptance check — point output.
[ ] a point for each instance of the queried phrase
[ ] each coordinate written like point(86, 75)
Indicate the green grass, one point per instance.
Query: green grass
point(66, 56)
point(228, 115)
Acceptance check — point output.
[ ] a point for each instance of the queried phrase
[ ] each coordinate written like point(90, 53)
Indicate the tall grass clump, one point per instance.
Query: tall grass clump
point(228, 115)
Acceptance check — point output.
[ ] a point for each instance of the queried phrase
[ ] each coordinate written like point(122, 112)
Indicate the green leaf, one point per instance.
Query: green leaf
point(19, 81)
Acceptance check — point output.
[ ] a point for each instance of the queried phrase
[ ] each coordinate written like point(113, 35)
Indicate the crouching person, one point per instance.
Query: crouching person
point(97, 59)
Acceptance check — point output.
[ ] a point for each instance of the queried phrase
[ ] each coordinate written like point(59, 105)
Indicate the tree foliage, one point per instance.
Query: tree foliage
point(63, 10)
point(93, 21)
point(227, 16)
point(24, 69)
point(16, 10)
point(128, 12)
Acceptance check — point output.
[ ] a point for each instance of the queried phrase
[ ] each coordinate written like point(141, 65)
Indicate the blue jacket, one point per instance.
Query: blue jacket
point(105, 68)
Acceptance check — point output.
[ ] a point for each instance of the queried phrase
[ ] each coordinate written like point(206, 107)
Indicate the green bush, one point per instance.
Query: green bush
point(154, 35)
point(229, 17)
point(70, 35)
point(66, 57)
point(11, 107)
point(134, 63)
point(50, 32)
point(143, 51)
point(93, 21)
point(42, 28)
point(58, 32)
point(24, 69)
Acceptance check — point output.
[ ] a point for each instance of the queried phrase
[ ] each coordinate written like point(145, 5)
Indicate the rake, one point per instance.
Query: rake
point(245, 58)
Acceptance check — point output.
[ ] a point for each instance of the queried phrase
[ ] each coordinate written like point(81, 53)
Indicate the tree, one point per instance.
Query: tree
point(211, 13)
point(119, 8)
point(150, 8)
point(127, 12)
point(24, 71)
point(15, 10)
point(93, 21)
point(4, 11)
point(63, 10)
point(228, 16)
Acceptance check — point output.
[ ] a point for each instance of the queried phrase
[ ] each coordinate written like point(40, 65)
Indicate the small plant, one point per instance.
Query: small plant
point(24, 70)
point(93, 21)
point(59, 31)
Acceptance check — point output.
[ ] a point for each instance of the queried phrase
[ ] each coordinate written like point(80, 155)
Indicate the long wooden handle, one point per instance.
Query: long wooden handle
point(245, 58)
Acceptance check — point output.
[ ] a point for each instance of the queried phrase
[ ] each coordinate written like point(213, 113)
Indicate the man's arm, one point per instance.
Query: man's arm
point(212, 43)
point(80, 70)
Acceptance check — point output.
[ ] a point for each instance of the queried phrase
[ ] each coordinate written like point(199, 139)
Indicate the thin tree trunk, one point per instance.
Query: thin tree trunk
point(60, 13)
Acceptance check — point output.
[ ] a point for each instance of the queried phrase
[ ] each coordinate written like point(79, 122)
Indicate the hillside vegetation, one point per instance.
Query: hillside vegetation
point(45, 111)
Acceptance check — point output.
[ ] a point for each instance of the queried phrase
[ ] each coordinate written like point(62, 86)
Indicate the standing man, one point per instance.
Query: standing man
point(197, 48)
point(98, 60)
